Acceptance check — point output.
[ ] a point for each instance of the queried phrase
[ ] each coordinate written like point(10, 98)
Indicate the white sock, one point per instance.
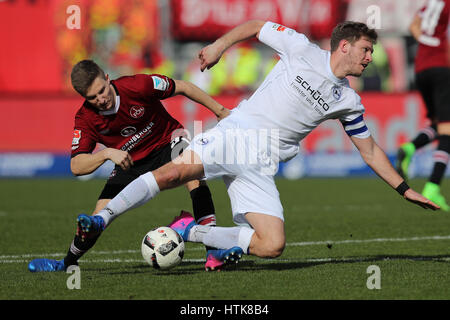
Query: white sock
point(222, 237)
point(134, 195)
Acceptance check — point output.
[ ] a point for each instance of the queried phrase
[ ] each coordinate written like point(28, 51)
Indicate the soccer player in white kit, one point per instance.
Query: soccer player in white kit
point(305, 88)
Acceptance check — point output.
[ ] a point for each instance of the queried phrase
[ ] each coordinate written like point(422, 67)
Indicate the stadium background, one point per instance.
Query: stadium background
point(40, 45)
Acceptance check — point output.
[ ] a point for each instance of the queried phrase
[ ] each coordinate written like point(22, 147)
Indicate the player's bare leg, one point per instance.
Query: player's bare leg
point(269, 238)
point(101, 203)
point(266, 239)
point(181, 170)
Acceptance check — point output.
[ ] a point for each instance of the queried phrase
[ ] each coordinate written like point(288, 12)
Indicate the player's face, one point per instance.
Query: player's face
point(360, 55)
point(100, 94)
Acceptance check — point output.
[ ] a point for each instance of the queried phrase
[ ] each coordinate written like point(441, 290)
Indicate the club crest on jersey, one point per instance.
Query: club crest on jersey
point(137, 111)
point(203, 141)
point(337, 92)
point(127, 131)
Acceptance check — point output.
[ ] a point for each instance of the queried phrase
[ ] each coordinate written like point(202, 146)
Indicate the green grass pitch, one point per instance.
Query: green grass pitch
point(336, 229)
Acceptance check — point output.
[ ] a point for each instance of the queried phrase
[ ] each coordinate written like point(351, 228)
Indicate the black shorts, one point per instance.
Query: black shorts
point(120, 178)
point(434, 85)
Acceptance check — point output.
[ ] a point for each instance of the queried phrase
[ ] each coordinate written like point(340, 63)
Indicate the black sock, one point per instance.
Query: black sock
point(440, 158)
point(204, 211)
point(425, 136)
point(203, 205)
point(78, 248)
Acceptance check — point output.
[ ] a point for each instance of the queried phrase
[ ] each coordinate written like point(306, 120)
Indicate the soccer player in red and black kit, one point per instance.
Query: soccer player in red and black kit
point(127, 117)
point(432, 69)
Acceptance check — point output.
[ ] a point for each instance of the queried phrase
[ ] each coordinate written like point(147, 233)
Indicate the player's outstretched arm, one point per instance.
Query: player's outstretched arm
point(375, 158)
point(196, 94)
point(211, 54)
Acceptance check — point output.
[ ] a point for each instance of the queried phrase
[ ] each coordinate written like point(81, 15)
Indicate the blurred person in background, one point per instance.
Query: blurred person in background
point(432, 71)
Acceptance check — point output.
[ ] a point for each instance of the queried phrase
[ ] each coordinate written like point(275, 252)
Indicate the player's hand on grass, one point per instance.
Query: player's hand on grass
point(121, 158)
point(417, 198)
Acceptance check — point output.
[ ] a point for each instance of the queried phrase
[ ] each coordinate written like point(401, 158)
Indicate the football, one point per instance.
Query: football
point(162, 248)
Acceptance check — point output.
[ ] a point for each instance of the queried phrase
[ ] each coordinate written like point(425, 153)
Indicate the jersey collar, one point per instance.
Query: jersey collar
point(331, 74)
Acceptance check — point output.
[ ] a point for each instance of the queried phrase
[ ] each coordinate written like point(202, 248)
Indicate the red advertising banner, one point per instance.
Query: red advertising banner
point(46, 124)
point(42, 39)
point(29, 59)
point(206, 20)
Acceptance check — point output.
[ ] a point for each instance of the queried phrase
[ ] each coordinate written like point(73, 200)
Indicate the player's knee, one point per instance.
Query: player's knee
point(272, 247)
point(168, 177)
point(276, 249)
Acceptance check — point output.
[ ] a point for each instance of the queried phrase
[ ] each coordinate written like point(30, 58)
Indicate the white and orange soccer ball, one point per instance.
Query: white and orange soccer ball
point(162, 248)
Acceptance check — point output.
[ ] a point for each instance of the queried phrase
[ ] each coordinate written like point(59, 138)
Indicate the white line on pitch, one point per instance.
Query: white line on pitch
point(309, 243)
point(310, 260)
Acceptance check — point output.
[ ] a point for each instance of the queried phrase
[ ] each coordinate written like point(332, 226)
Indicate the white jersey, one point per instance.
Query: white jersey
point(299, 93)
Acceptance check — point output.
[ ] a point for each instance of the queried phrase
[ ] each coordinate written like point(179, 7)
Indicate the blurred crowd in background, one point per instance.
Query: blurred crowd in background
point(43, 39)
point(164, 36)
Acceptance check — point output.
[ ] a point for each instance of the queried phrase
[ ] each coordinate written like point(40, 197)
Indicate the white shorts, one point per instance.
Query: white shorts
point(245, 168)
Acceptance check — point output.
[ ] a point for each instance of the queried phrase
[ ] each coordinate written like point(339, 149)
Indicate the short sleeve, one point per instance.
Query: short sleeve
point(282, 39)
point(83, 140)
point(157, 86)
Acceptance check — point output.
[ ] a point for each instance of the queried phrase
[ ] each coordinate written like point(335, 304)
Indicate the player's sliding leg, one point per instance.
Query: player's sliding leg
point(231, 241)
point(266, 238)
point(432, 189)
point(147, 186)
point(89, 228)
point(88, 231)
point(407, 150)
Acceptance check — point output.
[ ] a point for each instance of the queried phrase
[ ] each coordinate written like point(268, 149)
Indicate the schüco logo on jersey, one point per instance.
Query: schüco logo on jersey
point(315, 94)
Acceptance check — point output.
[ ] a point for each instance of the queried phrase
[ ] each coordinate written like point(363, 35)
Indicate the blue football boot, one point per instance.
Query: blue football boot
point(46, 265)
point(89, 226)
point(216, 259)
